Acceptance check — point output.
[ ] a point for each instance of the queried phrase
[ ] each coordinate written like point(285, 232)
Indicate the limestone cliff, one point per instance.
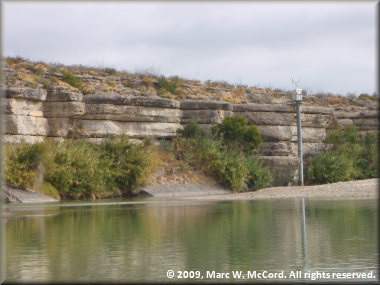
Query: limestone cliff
point(32, 112)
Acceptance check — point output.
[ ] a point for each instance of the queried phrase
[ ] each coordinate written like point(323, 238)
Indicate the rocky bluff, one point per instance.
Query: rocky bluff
point(31, 114)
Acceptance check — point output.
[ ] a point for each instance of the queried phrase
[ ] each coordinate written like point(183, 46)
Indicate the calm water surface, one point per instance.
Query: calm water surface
point(141, 239)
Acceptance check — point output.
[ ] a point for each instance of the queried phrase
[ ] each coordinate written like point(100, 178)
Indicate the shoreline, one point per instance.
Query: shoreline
point(368, 188)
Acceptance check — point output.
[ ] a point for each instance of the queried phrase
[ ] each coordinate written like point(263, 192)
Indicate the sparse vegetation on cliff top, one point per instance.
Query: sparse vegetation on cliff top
point(149, 82)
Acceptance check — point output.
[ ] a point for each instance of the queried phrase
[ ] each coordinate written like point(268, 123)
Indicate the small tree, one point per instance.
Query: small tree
point(235, 132)
point(192, 130)
point(347, 158)
point(167, 85)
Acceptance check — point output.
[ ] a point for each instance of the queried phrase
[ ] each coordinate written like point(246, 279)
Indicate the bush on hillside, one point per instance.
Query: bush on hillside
point(71, 79)
point(76, 169)
point(192, 130)
point(131, 164)
point(234, 131)
point(80, 168)
point(258, 176)
point(234, 168)
point(22, 163)
point(167, 85)
point(347, 158)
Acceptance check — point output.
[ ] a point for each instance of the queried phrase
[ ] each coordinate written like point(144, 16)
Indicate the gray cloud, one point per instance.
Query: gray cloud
point(331, 46)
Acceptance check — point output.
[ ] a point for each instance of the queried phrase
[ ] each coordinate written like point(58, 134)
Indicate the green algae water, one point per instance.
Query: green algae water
point(152, 240)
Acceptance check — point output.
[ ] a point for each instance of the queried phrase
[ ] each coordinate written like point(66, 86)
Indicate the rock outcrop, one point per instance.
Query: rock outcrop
point(32, 114)
point(11, 194)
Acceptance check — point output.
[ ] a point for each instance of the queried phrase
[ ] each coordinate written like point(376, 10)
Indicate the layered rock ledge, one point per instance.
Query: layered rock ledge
point(32, 114)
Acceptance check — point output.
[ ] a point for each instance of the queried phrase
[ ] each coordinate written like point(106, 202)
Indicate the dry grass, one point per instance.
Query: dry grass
point(335, 101)
point(239, 93)
point(177, 171)
point(27, 77)
point(226, 96)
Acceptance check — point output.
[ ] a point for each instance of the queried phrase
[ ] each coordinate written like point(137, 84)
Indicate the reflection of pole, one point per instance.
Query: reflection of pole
point(303, 226)
point(299, 136)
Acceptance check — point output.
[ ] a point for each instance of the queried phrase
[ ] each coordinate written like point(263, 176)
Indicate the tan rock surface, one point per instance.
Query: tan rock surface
point(353, 189)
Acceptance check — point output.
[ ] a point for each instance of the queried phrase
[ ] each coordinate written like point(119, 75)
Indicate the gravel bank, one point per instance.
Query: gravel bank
point(361, 188)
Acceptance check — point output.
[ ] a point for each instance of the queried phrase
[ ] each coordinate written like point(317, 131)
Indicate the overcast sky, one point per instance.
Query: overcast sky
point(330, 46)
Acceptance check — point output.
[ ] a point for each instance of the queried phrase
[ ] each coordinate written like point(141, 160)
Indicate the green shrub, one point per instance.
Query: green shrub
point(110, 71)
point(45, 82)
point(111, 83)
point(71, 79)
point(229, 165)
point(341, 139)
point(22, 163)
point(177, 81)
point(129, 84)
point(348, 158)
point(76, 169)
point(330, 167)
point(192, 130)
point(167, 85)
point(161, 94)
point(234, 130)
point(49, 190)
point(131, 164)
point(258, 176)
point(365, 96)
point(214, 158)
point(369, 162)
point(80, 168)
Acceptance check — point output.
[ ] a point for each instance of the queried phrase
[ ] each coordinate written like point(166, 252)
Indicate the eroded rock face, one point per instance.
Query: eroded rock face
point(63, 109)
point(268, 118)
point(21, 138)
point(316, 110)
point(308, 148)
point(262, 108)
point(204, 105)
point(204, 116)
point(116, 99)
point(102, 128)
point(26, 93)
point(345, 122)
point(367, 123)
point(315, 120)
point(347, 115)
point(25, 125)
point(21, 106)
point(31, 114)
point(275, 133)
point(131, 113)
point(309, 135)
point(281, 148)
point(64, 96)
point(286, 168)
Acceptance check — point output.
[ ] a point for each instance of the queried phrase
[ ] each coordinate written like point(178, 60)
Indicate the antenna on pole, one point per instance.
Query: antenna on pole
point(295, 83)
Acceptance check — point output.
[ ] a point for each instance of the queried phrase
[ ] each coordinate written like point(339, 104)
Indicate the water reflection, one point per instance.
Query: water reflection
point(125, 241)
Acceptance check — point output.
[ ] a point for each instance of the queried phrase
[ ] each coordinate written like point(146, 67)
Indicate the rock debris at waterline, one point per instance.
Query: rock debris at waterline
point(368, 188)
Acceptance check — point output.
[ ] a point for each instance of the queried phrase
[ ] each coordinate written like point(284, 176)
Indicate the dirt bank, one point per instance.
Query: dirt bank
point(360, 188)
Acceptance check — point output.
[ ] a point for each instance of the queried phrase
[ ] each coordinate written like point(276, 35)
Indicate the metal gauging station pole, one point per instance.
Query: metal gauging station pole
point(297, 96)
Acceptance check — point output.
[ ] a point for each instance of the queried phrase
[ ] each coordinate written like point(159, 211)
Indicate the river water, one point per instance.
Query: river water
point(141, 239)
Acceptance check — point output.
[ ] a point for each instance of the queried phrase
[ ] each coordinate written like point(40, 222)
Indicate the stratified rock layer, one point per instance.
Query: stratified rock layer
point(31, 114)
